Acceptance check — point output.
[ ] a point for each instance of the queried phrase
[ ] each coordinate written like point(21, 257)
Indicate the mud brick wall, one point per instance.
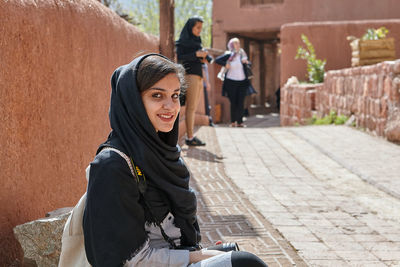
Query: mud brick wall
point(56, 61)
point(297, 103)
point(370, 93)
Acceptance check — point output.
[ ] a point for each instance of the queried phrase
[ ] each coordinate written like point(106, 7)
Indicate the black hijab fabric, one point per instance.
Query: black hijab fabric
point(157, 154)
point(187, 39)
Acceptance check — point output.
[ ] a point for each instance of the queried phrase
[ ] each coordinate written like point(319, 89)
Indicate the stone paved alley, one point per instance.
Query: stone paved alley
point(298, 196)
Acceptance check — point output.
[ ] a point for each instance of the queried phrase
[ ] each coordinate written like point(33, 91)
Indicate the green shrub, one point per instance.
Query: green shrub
point(331, 118)
point(341, 119)
point(315, 67)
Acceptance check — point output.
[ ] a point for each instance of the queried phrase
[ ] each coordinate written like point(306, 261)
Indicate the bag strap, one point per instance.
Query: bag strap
point(141, 180)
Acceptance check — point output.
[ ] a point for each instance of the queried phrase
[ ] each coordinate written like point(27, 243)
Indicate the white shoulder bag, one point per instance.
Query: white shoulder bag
point(72, 243)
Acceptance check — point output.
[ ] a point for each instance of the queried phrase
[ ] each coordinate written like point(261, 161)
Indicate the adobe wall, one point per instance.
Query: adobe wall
point(370, 93)
point(230, 17)
point(330, 43)
point(56, 61)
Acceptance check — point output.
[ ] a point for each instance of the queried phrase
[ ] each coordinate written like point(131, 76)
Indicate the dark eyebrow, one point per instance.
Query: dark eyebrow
point(162, 89)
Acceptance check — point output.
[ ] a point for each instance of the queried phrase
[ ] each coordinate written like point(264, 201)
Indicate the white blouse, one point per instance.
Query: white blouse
point(236, 71)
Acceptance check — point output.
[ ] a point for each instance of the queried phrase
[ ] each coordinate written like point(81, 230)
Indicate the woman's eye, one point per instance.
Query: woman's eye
point(156, 95)
point(175, 96)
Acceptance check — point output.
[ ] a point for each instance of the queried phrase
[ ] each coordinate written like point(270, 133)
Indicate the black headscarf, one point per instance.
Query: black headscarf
point(157, 154)
point(187, 38)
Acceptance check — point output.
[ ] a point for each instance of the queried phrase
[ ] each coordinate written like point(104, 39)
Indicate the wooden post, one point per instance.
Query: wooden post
point(167, 44)
point(263, 68)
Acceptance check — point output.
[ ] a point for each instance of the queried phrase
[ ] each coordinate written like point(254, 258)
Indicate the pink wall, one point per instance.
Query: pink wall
point(56, 61)
point(330, 43)
point(229, 17)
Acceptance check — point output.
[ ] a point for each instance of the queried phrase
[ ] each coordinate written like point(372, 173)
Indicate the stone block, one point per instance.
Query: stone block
point(380, 127)
point(342, 103)
point(395, 90)
point(339, 86)
point(284, 120)
point(370, 107)
point(380, 88)
point(374, 107)
point(373, 86)
point(383, 108)
point(356, 71)
point(392, 129)
point(311, 96)
point(297, 113)
point(351, 104)
point(290, 111)
point(347, 84)
point(352, 86)
point(41, 239)
point(387, 67)
point(284, 109)
point(365, 91)
point(348, 72)
point(371, 123)
point(305, 114)
point(361, 121)
point(387, 86)
point(331, 102)
point(396, 67)
point(359, 86)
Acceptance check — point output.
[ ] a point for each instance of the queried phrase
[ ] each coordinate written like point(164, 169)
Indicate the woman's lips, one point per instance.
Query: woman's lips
point(166, 117)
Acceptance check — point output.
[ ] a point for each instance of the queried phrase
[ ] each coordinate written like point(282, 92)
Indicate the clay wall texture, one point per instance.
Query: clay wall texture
point(370, 93)
point(56, 60)
point(257, 20)
point(330, 43)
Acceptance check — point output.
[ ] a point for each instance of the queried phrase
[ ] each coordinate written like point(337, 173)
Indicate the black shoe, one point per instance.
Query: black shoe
point(210, 122)
point(195, 142)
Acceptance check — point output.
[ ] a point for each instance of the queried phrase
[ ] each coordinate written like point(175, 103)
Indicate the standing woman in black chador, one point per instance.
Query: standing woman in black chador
point(139, 209)
point(191, 55)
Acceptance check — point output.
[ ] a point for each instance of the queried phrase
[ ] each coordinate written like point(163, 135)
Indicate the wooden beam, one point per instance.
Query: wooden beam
point(262, 73)
point(167, 44)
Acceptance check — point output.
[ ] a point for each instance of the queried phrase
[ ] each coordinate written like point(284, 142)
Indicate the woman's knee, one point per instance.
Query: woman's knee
point(244, 258)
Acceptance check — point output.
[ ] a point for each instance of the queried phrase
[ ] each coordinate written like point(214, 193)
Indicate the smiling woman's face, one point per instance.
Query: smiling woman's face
point(161, 102)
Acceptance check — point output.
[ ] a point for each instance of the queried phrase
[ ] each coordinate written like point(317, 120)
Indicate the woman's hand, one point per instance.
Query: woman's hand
point(196, 256)
point(201, 53)
point(245, 61)
point(227, 66)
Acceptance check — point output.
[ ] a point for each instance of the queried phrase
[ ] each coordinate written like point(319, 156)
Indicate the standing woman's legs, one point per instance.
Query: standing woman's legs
point(231, 88)
point(241, 95)
point(192, 100)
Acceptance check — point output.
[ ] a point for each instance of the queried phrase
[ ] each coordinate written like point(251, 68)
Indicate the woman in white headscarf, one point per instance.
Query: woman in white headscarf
point(236, 83)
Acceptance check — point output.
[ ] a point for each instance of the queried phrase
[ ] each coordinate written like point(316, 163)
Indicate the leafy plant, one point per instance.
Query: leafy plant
point(331, 118)
point(341, 119)
point(315, 67)
point(375, 34)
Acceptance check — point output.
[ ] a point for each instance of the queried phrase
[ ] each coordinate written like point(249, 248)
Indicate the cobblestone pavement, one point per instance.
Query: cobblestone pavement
point(226, 214)
point(332, 192)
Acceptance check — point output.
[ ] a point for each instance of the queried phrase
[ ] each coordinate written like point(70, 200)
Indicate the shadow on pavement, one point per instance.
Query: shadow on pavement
point(201, 154)
point(259, 121)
